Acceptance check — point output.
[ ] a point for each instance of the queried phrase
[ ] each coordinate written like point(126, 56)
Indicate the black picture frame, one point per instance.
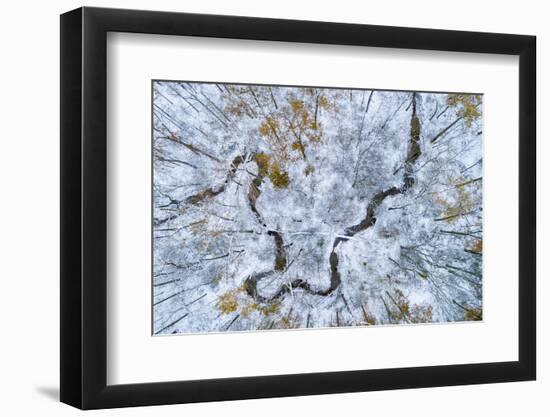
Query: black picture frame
point(84, 207)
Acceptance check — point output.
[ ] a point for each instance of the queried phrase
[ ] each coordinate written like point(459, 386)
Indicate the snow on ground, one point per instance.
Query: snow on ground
point(257, 189)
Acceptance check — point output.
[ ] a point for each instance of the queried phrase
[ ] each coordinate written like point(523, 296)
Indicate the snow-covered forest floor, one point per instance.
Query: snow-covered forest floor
point(295, 207)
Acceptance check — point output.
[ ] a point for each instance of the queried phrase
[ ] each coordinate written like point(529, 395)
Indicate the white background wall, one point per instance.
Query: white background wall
point(29, 225)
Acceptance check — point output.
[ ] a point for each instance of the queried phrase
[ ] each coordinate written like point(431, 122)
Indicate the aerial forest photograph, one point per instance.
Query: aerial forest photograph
point(296, 207)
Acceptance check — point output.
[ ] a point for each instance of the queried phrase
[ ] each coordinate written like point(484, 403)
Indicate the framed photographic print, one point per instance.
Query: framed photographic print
point(257, 207)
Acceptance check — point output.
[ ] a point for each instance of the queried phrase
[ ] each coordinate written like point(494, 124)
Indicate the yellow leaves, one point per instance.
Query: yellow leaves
point(368, 317)
point(470, 113)
point(264, 129)
point(269, 126)
point(227, 302)
point(239, 90)
point(467, 106)
point(297, 106)
point(230, 301)
point(289, 322)
point(454, 99)
point(298, 146)
point(402, 302)
point(248, 309)
point(235, 109)
point(272, 169)
point(370, 320)
point(236, 301)
point(301, 119)
point(324, 103)
point(305, 118)
point(272, 307)
point(294, 123)
point(402, 306)
point(262, 160)
point(477, 247)
point(415, 313)
point(421, 314)
point(474, 314)
point(462, 201)
point(279, 178)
